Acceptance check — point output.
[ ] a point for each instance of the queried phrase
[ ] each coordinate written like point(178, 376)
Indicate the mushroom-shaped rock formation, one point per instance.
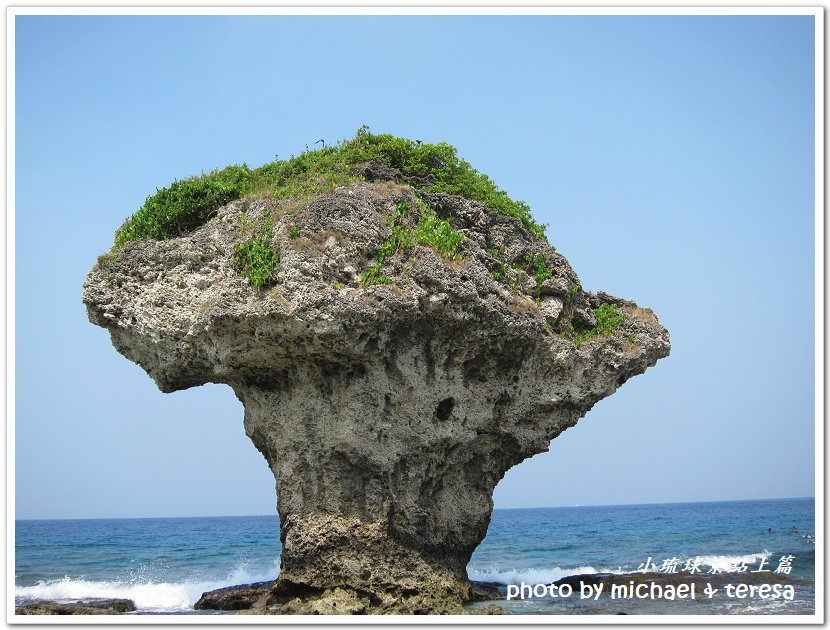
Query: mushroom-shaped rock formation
point(397, 349)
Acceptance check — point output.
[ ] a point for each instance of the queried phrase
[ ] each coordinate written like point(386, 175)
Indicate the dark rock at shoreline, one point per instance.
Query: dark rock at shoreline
point(81, 607)
point(242, 597)
point(486, 591)
point(274, 598)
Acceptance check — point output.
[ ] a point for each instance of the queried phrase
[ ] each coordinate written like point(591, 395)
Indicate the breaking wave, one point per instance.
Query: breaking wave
point(148, 596)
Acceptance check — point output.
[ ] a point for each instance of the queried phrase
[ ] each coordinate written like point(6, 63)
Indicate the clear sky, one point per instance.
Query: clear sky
point(673, 158)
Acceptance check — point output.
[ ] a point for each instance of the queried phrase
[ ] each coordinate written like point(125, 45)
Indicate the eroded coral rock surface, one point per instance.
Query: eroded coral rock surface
point(387, 413)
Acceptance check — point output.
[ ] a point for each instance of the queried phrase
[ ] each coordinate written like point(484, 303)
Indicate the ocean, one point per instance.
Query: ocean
point(165, 564)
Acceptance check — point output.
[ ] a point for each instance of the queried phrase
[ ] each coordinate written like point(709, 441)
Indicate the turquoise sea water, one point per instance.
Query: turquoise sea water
point(165, 564)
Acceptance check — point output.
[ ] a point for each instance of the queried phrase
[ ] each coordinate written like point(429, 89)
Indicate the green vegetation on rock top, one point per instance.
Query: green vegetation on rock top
point(186, 204)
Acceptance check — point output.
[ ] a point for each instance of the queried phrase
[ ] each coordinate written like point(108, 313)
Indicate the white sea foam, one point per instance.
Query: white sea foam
point(529, 576)
point(148, 596)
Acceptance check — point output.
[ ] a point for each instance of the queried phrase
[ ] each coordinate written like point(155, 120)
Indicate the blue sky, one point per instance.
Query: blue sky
point(673, 158)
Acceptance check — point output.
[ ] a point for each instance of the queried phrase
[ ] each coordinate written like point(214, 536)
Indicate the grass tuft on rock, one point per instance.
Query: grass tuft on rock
point(608, 320)
point(422, 226)
point(256, 259)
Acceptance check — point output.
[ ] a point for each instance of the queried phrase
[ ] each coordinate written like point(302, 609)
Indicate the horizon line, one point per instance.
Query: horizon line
point(538, 507)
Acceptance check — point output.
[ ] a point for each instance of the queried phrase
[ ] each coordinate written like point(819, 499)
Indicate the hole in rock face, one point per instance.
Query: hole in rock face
point(444, 409)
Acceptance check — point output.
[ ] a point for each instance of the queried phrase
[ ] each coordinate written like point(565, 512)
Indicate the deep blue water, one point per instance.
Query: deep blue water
point(166, 564)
